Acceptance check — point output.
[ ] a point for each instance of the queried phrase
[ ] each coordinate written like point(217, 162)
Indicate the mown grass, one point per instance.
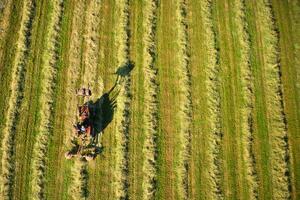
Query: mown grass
point(205, 163)
point(288, 60)
point(270, 127)
point(237, 101)
point(185, 99)
point(98, 187)
point(8, 48)
point(150, 101)
point(91, 48)
point(55, 187)
point(122, 115)
point(274, 101)
point(48, 82)
point(15, 100)
point(29, 109)
point(137, 135)
point(78, 185)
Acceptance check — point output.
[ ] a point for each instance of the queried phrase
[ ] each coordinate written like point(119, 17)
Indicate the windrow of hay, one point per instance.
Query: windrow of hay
point(123, 102)
point(246, 109)
point(78, 187)
point(5, 13)
point(185, 112)
point(213, 102)
point(17, 85)
point(150, 101)
point(274, 101)
point(91, 47)
point(49, 61)
point(74, 68)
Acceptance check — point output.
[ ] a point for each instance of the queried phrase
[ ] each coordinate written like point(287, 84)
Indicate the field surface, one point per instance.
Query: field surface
point(195, 99)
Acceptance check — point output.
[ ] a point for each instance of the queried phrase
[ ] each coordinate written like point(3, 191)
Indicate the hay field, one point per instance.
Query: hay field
point(210, 108)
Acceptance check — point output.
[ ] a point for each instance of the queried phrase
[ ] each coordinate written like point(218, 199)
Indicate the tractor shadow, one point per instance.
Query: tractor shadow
point(105, 106)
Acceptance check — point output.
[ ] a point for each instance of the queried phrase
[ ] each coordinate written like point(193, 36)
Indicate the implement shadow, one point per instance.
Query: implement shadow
point(105, 106)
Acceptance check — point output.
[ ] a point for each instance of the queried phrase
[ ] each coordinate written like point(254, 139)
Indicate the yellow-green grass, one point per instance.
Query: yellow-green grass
point(288, 42)
point(185, 112)
point(99, 179)
point(55, 187)
point(149, 100)
point(122, 114)
point(26, 128)
point(8, 166)
point(205, 163)
point(168, 162)
point(237, 99)
point(75, 183)
point(269, 121)
point(138, 12)
point(48, 83)
point(244, 109)
point(8, 48)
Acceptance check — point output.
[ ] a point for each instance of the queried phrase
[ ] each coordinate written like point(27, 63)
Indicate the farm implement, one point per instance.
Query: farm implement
point(83, 134)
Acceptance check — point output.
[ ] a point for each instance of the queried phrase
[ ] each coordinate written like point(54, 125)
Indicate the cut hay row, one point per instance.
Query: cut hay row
point(213, 102)
point(150, 101)
point(18, 73)
point(247, 96)
point(276, 116)
point(75, 65)
point(78, 189)
point(5, 9)
point(49, 60)
point(91, 46)
point(123, 101)
point(185, 112)
point(78, 184)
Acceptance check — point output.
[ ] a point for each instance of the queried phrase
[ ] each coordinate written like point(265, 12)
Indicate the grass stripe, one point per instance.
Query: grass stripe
point(99, 189)
point(288, 61)
point(185, 99)
point(5, 14)
point(246, 110)
point(8, 49)
point(91, 47)
point(150, 99)
point(237, 102)
point(274, 101)
point(137, 136)
point(205, 164)
point(49, 61)
point(57, 175)
point(18, 77)
point(270, 118)
point(214, 112)
point(123, 102)
point(78, 188)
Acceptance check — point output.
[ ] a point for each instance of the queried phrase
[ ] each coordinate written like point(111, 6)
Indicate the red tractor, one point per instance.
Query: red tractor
point(82, 139)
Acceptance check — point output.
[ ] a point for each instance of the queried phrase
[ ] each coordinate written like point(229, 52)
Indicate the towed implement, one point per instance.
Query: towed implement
point(83, 133)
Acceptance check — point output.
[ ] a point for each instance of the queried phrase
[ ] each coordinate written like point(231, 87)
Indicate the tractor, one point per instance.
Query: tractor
point(83, 133)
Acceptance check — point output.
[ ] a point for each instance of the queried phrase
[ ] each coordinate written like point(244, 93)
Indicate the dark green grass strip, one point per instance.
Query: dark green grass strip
point(290, 91)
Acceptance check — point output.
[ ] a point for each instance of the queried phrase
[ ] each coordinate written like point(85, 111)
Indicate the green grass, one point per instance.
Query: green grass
point(209, 111)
